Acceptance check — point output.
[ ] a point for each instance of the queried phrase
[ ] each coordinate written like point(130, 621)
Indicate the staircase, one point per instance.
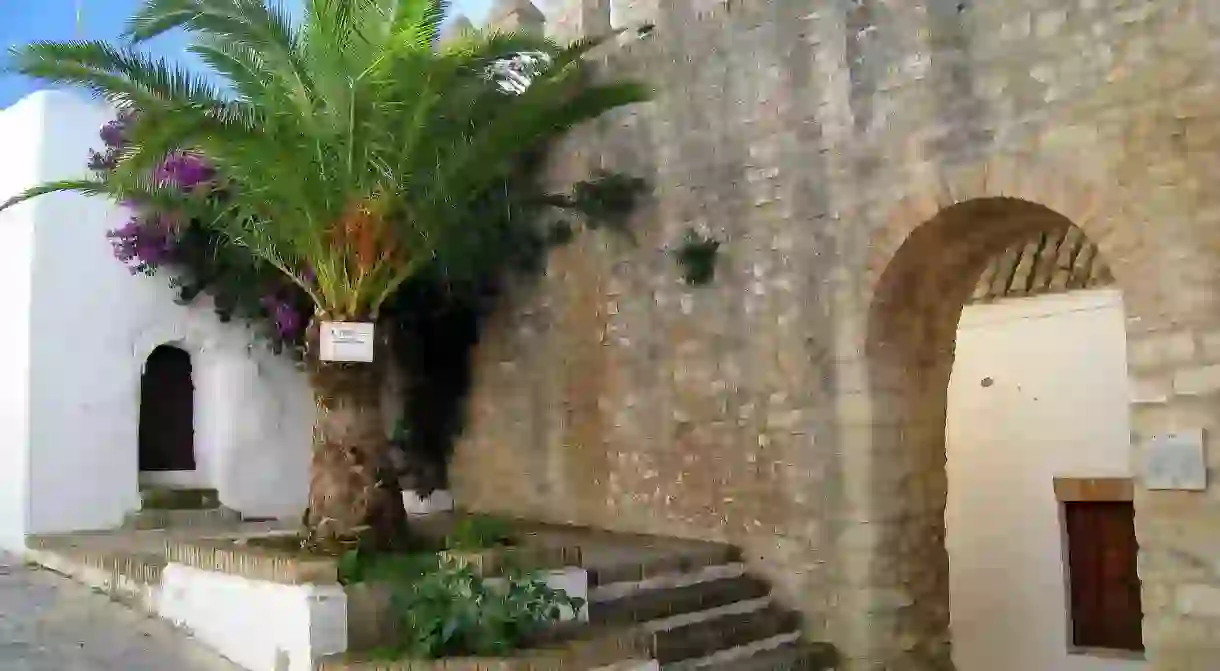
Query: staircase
point(701, 609)
point(176, 507)
point(653, 603)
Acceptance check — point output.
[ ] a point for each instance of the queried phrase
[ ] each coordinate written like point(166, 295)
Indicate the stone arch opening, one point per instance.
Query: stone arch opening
point(167, 412)
point(917, 301)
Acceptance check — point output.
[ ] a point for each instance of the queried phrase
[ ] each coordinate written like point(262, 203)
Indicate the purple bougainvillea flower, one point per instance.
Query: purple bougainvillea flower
point(287, 320)
point(123, 241)
point(114, 133)
point(143, 245)
point(153, 248)
point(185, 169)
point(101, 162)
point(98, 163)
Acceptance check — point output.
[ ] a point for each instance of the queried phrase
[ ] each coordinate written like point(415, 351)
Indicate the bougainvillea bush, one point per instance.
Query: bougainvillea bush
point(196, 259)
point(434, 318)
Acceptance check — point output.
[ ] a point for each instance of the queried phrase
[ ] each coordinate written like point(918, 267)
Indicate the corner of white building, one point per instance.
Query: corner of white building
point(79, 330)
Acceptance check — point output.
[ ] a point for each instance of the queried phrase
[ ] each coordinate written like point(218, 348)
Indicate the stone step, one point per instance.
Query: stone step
point(785, 657)
point(700, 635)
point(653, 607)
point(617, 590)
point(183, 518)
point(658, 566)
point(178, 498)
point(630, 665)
point(664, 601)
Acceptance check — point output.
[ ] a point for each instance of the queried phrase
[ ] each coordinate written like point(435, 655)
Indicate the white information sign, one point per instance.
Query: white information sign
point(1175, 461)
point(346, 342)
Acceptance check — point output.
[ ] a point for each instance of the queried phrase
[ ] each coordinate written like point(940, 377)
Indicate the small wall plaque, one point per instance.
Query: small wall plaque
point(1175, 461)
point(350, 342)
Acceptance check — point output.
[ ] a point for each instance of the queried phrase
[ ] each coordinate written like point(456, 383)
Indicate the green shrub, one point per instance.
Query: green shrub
point(479, 533)
point(455, 612)
point(446, 609)
point(356, 567)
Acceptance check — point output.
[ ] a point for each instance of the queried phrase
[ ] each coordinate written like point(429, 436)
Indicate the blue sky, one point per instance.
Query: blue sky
point(28, 20)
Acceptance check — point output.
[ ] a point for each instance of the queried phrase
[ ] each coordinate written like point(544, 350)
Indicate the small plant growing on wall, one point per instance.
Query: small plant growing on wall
point(697, 257)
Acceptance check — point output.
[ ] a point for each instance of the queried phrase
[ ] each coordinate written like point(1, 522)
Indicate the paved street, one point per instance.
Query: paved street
point(49, 623)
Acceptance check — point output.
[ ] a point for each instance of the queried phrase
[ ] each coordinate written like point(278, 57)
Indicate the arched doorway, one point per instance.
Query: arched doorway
point(901, 483)
point(167, 408)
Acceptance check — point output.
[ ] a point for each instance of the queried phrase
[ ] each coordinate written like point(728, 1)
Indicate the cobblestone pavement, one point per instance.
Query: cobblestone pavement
point(50, 623)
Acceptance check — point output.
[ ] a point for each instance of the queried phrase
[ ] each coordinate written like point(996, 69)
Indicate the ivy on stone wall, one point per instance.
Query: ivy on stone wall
point(697, 256)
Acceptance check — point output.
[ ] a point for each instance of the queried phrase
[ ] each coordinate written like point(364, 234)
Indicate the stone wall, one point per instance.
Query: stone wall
point(861, 162)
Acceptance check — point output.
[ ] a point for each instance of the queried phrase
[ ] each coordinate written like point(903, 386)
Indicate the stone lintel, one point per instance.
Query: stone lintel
point(1084, 490)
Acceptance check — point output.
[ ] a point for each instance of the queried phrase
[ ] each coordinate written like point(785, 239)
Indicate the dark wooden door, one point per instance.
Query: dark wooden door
point(167, 409)
point(1105, 587)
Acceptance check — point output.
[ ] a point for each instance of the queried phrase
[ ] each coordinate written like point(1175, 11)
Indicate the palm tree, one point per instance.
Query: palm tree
point(347, 147)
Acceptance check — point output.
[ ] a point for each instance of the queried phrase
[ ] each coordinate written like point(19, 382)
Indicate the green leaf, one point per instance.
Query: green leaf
point(350, 568)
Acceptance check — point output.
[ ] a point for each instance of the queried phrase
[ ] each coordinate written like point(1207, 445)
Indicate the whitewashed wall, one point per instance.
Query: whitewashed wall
point(1058, 406)
point(262, 626)
point(20, 126)
point(82, 326)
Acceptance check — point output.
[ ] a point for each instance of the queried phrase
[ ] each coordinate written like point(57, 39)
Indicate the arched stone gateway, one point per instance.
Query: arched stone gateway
point(924, 267)
point(860, 164)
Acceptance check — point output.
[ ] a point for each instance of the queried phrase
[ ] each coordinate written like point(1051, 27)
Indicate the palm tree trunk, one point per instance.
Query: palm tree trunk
point(353, 492)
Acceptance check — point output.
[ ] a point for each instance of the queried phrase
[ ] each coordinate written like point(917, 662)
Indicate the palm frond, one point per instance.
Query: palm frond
point(140, 191)
point(263, 28)
point(425, 18)
point(248, 74)
point(254, 22)
point(119, 75)
point(87, 187)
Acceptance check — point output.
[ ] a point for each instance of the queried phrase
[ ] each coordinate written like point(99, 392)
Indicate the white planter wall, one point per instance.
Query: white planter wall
point(261, 626)
point(265, 626)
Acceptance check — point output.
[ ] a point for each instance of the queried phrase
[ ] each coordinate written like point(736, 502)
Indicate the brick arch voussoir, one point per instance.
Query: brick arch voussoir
point(1103, 219)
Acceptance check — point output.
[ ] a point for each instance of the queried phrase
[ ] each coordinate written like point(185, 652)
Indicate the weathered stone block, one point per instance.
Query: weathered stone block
point(1160, 350)
point(1150, 389)
point(1197, 381)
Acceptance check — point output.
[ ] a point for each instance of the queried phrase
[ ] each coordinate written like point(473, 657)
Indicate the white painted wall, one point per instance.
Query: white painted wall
point(1058, 407)
point(261, 626)
point(90, 327)
point(20, 126)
